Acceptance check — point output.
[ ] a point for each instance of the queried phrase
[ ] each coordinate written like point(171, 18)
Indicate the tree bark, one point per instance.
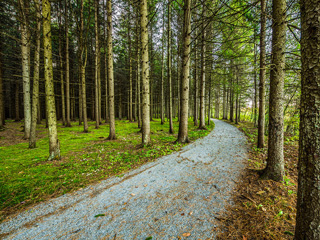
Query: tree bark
point(145, 74)
point(97, 65)
point(202, 124)
point(112, 127)
point(196, 82)
point(308, 208)
point(184, 104)
point(130, 69)
point(275, 162)
point(68, 123)
point(54, 146)
point(169, 69)
point(262, 90)
point(25, 50)
point(162, 75)
point(1, 91)
point(61, 66)
point(83, 64)
point(35, 95)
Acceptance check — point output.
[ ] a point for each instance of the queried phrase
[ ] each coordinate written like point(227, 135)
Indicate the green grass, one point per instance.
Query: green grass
point(26, 177)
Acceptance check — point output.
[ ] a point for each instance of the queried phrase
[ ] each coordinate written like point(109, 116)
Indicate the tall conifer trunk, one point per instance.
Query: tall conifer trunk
point(112, 128)
point(202, 124)
point(185, 70)
point(54, 146)
point(169, 69)
point(275, 162)
point(35, 95)
point(262, 101)
point(308, 207)
point(145, 74)
point(25, 51)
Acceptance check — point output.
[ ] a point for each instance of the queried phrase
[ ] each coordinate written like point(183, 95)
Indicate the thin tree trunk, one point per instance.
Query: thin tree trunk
point(255, 81)
point(138, 40)
point(83, 61)
point(35, 96)
point(25, 50)
point(162, 75)
point(262, 100)
point(17, 102)
point(68, 123)
point(105, 65)
point(97, 64)
point(130, 69)
point(196, 82)
point(224, 104)
point(1, 91)
point(275, 162)
point(308, 208)
point(54, 146)
point(145, 74)
point(169, 69)
point(112, 127)
point(183, 125)
point(202, 124)
point(61, 66)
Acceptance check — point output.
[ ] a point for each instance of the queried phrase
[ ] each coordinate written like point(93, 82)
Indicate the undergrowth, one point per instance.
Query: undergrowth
point(26, 177)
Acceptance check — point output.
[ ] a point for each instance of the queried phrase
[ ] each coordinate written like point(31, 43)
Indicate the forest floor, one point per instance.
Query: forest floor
point(263, 209)
point(182, 195)
point(26, 177)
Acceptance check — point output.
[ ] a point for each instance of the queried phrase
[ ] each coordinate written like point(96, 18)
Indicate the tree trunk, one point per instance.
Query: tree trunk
point(17, 102)
point(1, 91)
point(112, 127)
point(97, 65)
point(162, 75)
point(61, 67)
point(106, 65)
point(54, 146)
point(202, 124)
point(25, 50)
point(308, 208)
point(68, 123)
point(35, 96)
point(130, 69)
point(83, 63)
point(275, 162)
point(145, 74)
point(224, 104)
point(184, 114)
point(255, 98)
point(195, 86)
point(262, 100)
point(169, 69)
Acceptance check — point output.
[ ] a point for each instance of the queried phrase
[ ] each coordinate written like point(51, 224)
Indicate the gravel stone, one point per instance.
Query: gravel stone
point(185, 192)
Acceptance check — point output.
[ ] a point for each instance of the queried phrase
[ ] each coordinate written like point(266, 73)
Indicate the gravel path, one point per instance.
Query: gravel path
point(178, 195)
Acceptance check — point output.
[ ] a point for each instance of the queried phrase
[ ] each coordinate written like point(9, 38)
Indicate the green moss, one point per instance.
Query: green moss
point(27, 177)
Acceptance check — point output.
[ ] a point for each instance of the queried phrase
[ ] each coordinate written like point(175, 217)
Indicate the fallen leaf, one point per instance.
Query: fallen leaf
point(186, 234)
point(260, 192)
point(132, 194)
point(182, 214)
point(145, 185)
point(190, 213)
point(244, 238)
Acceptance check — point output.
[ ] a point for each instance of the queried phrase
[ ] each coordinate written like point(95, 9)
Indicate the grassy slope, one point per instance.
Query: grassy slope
point(26, 177)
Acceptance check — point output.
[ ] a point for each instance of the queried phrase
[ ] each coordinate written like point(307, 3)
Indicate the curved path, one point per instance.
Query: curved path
point(178, 195)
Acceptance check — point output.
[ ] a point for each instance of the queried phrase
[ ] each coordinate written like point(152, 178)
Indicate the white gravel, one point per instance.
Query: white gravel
point(180, 193)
